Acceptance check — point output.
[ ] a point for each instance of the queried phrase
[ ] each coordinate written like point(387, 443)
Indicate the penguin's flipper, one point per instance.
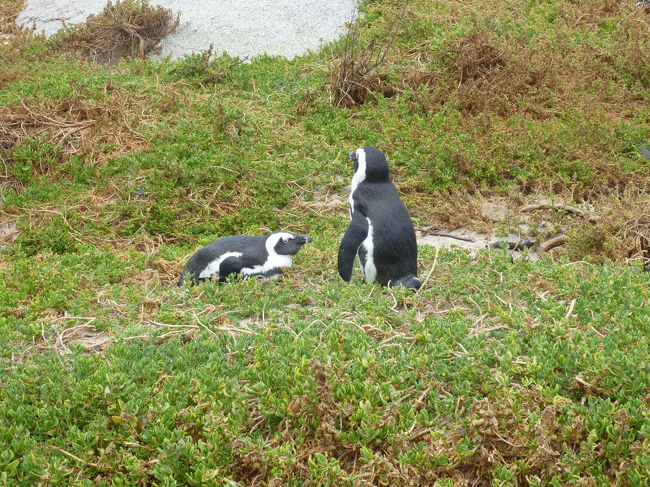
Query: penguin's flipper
point(355, 234)
point(228, 267)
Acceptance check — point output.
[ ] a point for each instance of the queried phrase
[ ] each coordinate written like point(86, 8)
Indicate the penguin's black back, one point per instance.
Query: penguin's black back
point(395, 246)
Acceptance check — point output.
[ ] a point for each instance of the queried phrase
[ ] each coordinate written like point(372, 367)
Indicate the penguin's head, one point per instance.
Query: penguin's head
point(372, 162)
point(287, 243)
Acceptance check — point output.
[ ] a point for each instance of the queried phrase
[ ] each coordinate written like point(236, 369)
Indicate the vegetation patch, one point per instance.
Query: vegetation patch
point(356, 76)
point(128, 28)
point(489, 78)
point(35, 141)
point(622, 231)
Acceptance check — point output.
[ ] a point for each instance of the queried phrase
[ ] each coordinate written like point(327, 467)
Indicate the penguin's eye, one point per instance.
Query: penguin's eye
point(286, 239)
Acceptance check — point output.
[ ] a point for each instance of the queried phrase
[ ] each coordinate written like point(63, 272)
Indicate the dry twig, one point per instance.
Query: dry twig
point(551, 243)
point(570, 209)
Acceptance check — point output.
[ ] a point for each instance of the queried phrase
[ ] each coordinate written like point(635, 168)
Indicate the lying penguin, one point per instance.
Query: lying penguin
point(246, 255)
point(380, 232)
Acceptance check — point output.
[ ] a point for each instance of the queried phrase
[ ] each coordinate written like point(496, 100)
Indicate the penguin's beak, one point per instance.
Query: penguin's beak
point(303, 239)
point(353, 156)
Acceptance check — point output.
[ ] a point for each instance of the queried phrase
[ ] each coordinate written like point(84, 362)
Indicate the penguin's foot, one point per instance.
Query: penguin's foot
point(410, 282)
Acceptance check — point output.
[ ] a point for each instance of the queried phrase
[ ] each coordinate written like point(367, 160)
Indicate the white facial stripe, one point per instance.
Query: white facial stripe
point(213, 267)
point(359, 175)
point(369, 270)
point(273, 240)
point(274, 260)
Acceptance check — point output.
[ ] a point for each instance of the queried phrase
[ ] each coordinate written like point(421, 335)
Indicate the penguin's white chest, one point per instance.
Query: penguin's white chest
point(357, 179)
point(274, 261)
point(368, 268)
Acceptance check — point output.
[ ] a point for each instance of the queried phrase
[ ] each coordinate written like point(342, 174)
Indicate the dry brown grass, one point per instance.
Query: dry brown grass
point(9, 10)
point(66, 124)
point(491, 70)
point(480, 73)
point(492, 79)
point(63, 127)
point(76, 125)
point(355, 77)
point(621, 232)
point(123, 29)
point(357, 74)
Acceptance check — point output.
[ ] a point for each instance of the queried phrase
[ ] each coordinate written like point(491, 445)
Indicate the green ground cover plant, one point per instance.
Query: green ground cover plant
point(495, 373)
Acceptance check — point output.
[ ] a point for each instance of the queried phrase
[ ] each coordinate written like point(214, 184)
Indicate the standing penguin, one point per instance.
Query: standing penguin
point(242, 254)
point(380, 230)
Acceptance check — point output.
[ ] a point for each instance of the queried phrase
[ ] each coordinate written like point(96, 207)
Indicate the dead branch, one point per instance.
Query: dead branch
point(74, 457)
point(551, 243)
point(570, 209)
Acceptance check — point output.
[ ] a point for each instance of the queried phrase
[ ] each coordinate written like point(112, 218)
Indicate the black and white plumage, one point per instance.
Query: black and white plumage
point(243, 254)
point(380, 231)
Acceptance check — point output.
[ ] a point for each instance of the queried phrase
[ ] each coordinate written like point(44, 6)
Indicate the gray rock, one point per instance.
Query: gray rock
point(473, 241)
point(495, 212)
point(645, 152)
point(240, 28)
